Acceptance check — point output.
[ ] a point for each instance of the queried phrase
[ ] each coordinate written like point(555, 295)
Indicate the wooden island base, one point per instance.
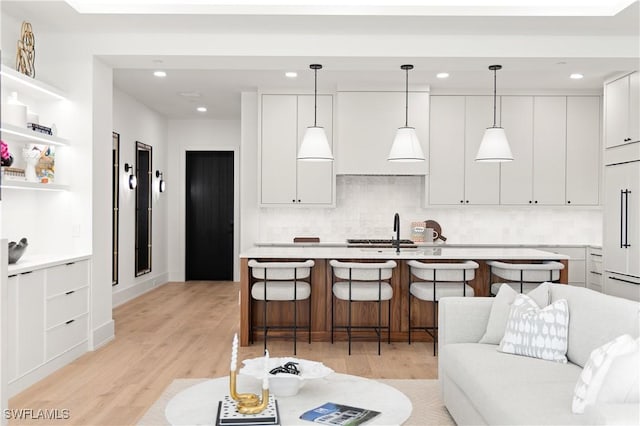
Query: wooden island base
point(362, 312)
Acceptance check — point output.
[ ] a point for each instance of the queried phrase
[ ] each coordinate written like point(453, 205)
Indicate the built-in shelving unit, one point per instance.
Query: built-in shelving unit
point(37, 91)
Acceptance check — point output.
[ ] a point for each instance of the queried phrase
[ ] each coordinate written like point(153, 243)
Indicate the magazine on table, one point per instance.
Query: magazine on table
point(339, 414)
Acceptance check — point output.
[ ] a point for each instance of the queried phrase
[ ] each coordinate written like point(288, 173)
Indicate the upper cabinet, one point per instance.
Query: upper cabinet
point(283, 179)
point(457, 127)
point(583, 150)
point(555, 142)
point(367, 123)
point(622, 110)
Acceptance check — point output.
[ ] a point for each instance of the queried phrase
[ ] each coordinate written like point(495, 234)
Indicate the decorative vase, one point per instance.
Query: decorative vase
point(31, 156)
point(16, 250)
point(15, 112)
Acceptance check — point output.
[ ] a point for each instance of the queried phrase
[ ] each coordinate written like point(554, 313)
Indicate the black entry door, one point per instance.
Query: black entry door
point(209, 215)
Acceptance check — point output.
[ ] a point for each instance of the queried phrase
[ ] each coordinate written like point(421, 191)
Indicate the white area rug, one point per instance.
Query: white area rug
point(424, 395)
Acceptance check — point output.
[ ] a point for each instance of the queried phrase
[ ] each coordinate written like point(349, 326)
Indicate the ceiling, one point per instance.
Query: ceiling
point(218, 80)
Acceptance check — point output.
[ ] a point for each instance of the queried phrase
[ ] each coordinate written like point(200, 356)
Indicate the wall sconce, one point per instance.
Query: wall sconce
point(162, 185)
point(133, 180)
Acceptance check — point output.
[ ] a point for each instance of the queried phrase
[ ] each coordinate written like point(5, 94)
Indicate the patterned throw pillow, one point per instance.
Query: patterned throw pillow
point(597, 371)
point(535, 332)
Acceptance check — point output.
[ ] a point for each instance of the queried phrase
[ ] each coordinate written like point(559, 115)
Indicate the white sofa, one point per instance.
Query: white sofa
point(483, 386)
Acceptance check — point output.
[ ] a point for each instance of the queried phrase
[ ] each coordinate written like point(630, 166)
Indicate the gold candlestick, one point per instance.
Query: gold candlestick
point(245, 398)
point(249, 408)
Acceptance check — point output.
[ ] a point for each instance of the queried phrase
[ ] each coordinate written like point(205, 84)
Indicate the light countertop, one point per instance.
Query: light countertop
point(315, 251)
point(32, 263)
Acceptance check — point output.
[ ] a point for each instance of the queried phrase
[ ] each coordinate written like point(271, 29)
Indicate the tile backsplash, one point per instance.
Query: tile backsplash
point(365, 206)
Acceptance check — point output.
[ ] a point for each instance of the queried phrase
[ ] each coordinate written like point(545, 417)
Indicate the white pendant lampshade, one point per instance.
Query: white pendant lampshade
point(315, 145)
point(494, 146)
point(406, 146)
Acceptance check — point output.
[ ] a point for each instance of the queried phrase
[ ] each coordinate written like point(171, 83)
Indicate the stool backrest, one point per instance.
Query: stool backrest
point(444, 272)
point(363, 271)
point(280, 270)
point(528, 272)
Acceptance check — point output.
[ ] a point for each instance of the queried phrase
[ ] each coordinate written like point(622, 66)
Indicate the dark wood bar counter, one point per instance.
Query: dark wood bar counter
point(366, 313)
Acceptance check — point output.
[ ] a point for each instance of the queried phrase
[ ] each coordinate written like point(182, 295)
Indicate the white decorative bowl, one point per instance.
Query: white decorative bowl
point(285, 384)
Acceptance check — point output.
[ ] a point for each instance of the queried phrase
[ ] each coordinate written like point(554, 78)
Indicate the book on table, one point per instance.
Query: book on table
point(228, 414)
point(339, 414)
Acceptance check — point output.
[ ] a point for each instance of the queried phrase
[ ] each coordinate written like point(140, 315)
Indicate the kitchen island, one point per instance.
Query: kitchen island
point(321, 294)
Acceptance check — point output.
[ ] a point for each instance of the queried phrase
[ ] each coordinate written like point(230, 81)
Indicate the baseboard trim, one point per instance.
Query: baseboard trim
point(138, 289)
point(103, 334)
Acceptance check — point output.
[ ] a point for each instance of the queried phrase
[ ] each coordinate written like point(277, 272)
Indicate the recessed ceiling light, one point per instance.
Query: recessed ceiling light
point(291, 74)
point(201, 109)
point(442, 75)
point(160, 73)
point(576, 76)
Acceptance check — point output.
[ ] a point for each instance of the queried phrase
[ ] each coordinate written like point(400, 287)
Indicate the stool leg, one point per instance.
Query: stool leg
point(309, 323)
point(265, 325)
point(409, 316)
point(389, 323)
point(295, 324)
point(332, 309)
point(349, 326)
point(435, 327)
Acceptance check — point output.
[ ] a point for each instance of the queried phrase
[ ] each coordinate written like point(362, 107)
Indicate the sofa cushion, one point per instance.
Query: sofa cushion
point(508, 389)
point(596, 319)
point(535, 332)
point(501, 307)
point(622, 382)
point(597, 369)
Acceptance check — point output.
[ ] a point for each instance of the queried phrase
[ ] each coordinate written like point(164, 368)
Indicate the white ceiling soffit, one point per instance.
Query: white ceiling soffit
point(357, 7)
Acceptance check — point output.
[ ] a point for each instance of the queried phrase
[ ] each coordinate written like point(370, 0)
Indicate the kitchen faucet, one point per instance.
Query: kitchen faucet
point(396, 229)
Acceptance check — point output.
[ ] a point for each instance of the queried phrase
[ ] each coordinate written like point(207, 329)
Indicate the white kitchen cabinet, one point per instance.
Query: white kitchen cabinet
point(516, 177)
point(12, 327)
point(536, 129)
point(622, 218)
point(283, 179)
point(446, 149)
point(622, 110)
point(30, 321)
point(549, 149)
point(367, 124)
point(594, 268)
point(48, 319)
point(583, 150)
point(577, 264)
point(457, 127)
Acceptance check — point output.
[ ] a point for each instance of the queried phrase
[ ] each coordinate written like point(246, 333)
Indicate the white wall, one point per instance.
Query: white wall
point(197, 135)
point(136, 122)
point(365, 206)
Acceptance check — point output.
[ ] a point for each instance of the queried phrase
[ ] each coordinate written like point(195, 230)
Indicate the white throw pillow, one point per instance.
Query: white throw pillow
point(610, 375)
point(535, 332)
point(501, 307)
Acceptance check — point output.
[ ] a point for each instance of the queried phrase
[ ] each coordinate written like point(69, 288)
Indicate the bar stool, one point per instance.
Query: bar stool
point(523, 277)
point(438, 280)
point(278, 282)
point(365, 282)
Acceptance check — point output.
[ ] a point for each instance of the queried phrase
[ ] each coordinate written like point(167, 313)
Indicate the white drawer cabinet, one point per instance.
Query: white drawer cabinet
point(66, 335)
point(594, 268)
point(48, 317)
point(66, 306)
point(69, 276)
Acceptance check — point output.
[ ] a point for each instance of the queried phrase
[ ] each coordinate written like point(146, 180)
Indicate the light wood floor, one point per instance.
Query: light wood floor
point(184, 330)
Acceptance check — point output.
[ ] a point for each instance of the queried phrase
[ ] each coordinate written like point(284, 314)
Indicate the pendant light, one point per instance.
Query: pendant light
point(406, 146)
point(494, 146)
point(315, 145)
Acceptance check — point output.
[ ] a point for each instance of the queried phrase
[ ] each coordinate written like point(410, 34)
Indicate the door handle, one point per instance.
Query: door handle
point(626, 218)
point(621, 217)
point(624, 281)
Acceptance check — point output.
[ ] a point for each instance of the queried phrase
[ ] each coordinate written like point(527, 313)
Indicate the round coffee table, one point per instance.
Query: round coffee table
point(198, 404)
